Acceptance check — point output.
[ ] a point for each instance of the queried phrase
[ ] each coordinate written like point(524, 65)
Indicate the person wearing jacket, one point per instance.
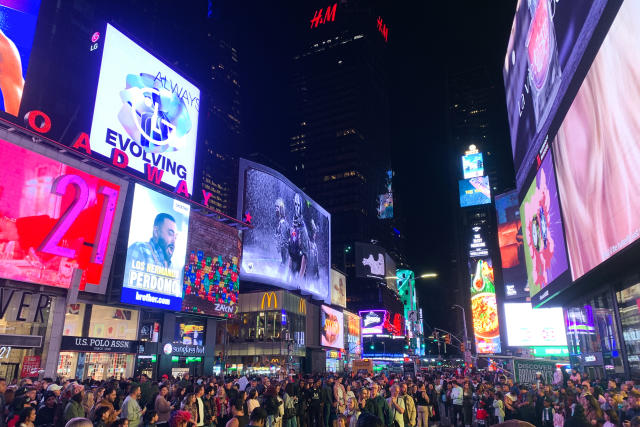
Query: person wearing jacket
point(410, 405)
point(378, 406)
point(131, 409)
point(457, 396)
point(74, 408)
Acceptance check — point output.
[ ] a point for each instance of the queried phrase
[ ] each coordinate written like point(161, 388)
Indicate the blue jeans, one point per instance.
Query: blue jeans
point(291, 422)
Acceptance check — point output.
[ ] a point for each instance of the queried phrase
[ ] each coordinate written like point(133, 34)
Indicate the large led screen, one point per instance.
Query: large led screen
point(156, 251)
point(514, 270)
point(372, 321)
point(370, 261)
point(385, 206)
point(55, 218)
point(331, 327)
point(352, 321)
point(597, 152)
point(544, 245)
point(17, 31)
point(528, 327)
point(210, 279)
point(548, 39)
point(289, 242)
point(338, 288)
point(484, 307)
point(472, 165)
point(474, 191)
point(390, 273)
point(146, 110)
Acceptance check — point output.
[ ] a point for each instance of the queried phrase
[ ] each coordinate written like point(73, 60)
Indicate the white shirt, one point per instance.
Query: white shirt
point(200, 412)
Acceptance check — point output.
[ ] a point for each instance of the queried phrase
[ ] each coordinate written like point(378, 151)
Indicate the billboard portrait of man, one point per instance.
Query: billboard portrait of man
point(159, 249)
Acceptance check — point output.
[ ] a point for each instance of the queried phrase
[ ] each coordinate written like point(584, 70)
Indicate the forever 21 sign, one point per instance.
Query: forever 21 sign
point(98, 345)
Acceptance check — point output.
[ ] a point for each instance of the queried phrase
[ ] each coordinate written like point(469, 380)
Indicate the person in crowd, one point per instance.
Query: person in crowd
point(397, 406)
point(131, 408)
point(258, 418)
point(423, 404)
point(74, 408)
point(45, 416)
point(27, 417)
point(101, 416)
point(162, 406)
point(239, 418)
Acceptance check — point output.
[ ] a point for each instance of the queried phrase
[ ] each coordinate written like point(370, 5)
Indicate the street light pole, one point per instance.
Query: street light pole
point(466, 336)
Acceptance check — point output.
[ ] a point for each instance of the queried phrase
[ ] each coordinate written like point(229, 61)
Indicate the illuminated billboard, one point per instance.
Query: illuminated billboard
point(547, 42)
point(157, 247)
point(289, 242)
point(484, 307)
point(472, 165)
point(145, 111)
point(385, 206)
point(210, 279)
point(370, 261)
point(55, 218)
point(543, 239)
point(372, 321)
point(474, 191)
point(338, 288)
point(352, 321)
point(477, 243)
point(514, 270)
point(527, 327)
point(17, 30)
point(331, 327)
point(597, 154)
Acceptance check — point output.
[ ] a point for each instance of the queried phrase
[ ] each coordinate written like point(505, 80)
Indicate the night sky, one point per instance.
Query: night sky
point(426, 41)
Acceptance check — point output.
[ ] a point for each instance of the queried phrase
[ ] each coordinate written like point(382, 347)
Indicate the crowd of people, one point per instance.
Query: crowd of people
point(445, 397)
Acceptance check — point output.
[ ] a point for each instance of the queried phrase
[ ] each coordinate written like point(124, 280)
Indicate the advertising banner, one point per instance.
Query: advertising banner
point(527, 327)
point(30, 366)
point(146, 110)
point(514, 270)
point(484, 307)
point(372, 321)
point(370, 261)
point(156, 251)
point(472, 165)
point(547, 42)
point(353, 332)
point(474, 191)
point(98, 345)
point(290, 249)
point(338, 288)
point(211, 283)
point(596, 140)
point(331, 327)
point(525, 370)
point(55, 218)
point(390, 273)
point(17, 26)
point(544, 245)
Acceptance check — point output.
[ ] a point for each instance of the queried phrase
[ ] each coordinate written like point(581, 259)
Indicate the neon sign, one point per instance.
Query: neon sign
point(383, 29)
point(321, 16)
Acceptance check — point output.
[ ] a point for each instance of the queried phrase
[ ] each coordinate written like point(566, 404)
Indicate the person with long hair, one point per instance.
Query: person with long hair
point(189, 405)
point(252, 401)
point(222, 406)
point(27, 417)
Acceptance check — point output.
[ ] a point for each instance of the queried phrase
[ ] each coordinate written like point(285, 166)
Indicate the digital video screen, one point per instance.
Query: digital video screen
point(548, 40)
point(370, 261)
point(189, 333)
point(338, 288)
point(372, 321)
point(289, 244)
point(17, 30)
point(157, 247)
point(55, 218)
point(472, 165)
point(331, 327)
point(597, 154)
point(385, 206)
point(514, 269)
point(527, 327)
point(542, 235)
point(146, 110)
point(474, 191)
point(484, 306)
point(210, 279)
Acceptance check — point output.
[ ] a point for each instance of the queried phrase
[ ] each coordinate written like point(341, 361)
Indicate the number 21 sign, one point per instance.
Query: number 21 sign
point(53, 218)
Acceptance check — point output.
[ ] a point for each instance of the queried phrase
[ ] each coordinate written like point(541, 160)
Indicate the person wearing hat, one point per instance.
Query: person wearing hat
point(74, 408)
point(55, 389)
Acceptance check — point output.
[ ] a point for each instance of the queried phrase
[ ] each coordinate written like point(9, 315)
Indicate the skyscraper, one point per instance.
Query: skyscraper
point(340, 145)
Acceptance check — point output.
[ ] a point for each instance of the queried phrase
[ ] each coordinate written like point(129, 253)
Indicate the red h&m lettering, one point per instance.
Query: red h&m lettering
point(328, 16)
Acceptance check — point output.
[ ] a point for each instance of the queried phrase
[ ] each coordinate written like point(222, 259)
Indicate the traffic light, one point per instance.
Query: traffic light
point(372, 346)
point(462, 347)
point(447, 339)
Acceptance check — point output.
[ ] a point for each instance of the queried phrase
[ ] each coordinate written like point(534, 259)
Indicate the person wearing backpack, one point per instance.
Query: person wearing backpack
point(397, 407)
point(290, 406)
